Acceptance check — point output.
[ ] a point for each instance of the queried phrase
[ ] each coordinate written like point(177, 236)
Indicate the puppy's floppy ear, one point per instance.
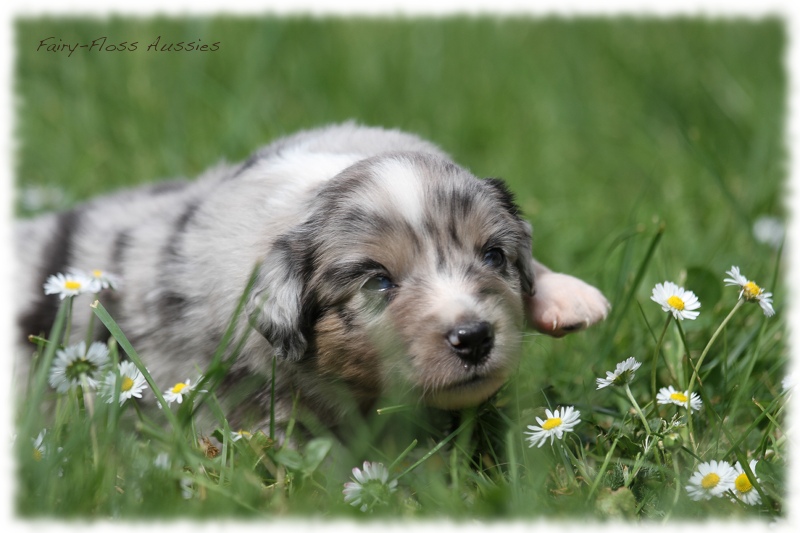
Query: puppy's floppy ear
point(279, 306)
point(523, 262)
point(505, 197)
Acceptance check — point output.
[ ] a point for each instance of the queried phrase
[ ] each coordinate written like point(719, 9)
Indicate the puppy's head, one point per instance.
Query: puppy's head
point(408, 273)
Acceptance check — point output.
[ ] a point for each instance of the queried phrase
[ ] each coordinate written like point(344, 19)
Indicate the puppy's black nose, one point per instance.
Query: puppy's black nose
point(472, 341)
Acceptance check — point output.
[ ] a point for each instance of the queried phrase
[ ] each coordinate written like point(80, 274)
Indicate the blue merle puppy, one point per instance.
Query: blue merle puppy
point(382, 267)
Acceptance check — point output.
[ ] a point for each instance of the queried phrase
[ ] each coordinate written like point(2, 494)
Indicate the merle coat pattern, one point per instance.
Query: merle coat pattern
point(383, 267)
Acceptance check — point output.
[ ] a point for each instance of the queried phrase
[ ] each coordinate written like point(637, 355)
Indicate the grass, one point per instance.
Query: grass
point(642, 150)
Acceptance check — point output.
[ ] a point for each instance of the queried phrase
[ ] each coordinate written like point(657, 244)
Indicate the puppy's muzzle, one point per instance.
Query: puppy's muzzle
point(472, 341)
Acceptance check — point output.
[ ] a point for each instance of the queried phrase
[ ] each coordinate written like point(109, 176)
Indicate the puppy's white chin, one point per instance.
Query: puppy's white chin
point(464, 394)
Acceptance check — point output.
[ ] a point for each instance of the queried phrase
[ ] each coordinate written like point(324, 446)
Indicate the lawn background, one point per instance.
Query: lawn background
point(606, 129)
point(598, 125)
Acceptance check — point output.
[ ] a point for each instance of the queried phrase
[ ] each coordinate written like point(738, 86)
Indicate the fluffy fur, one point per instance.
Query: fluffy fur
point(383, 268)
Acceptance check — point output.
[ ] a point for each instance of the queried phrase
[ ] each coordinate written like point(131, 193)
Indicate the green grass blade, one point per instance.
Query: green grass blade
point(618, 314)
point(123, 342)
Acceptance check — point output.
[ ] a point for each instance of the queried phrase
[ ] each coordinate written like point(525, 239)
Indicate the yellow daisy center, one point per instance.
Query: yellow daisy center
point(72, 285)
point(742, 483)
point(676, 303)
point(751, 290)
point(37, 454)
point(178, 388)
point(710, 481)
point(678, 397)
point(551, 423)
point(97, 273)
point(127, 384)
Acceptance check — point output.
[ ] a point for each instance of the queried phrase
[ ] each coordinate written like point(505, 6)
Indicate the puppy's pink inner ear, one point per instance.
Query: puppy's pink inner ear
point(563, 304)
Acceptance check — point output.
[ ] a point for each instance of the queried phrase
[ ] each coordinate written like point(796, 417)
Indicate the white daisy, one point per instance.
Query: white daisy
point(557, 423)
point(100, 279)
point(676, 300)
point(178, 391)
point(187, 488)
point(742, 487)
point(711, 479)
point(70, 284)
point(75, 361)
point(370, 487)
point(162, 461)
point(788, 381)
point(769, 230)
point(750, 291)
point(132, 384)
point(39, 448)
point(623, 374)
point(241, 434)
point(42, 197)
point(667, 395)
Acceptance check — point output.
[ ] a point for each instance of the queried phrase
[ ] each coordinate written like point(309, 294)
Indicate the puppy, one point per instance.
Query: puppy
point(382, 267)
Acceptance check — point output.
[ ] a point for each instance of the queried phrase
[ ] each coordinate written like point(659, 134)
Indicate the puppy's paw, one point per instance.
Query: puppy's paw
point(563, 304)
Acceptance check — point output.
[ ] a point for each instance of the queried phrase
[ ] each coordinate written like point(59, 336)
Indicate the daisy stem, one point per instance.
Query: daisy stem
point(68, 326)
point(696, 369)
point(754, 357)
point(114, 405)
point(90, 330)
point(637, 408)
point(655, 361)
point(693, 368)
point(682, 335)
point(699, 364)
point(567, 463)
point(89, 404)
point(139, 413)
point(710, 343)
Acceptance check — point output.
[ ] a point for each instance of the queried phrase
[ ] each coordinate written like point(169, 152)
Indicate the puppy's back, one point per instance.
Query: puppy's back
point(349, 138)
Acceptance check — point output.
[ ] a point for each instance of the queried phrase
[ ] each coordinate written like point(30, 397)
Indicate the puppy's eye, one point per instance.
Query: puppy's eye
point(494, 258)
point(378, 284)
